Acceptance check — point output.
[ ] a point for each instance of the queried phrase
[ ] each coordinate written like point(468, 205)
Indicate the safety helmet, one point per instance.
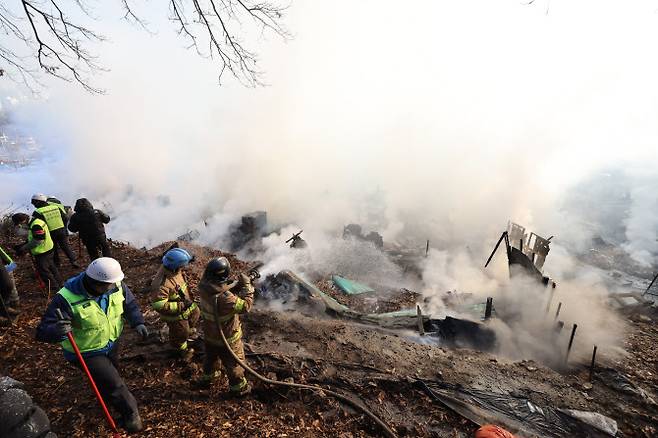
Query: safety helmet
point(105, 270)
point(176, 258)
point(218, 269)
point(39, 197)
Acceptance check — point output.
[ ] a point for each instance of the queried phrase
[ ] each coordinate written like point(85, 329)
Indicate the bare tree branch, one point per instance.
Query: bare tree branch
point(59, 45)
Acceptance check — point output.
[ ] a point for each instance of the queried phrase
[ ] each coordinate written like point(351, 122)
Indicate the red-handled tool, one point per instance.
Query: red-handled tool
point(113, 426)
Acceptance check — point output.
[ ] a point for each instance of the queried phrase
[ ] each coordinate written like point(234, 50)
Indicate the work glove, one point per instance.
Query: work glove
point(188, 303)
point(10, 267)
point(245, 279)
point(142, 331)
point(62, 327)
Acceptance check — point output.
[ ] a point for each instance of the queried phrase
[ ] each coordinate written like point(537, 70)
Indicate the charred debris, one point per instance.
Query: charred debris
point(466, 324)
point(466, 319)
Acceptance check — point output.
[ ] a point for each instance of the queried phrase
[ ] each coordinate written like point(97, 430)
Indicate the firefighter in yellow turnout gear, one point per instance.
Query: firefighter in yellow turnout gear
point(173, 300)
point(231, 299)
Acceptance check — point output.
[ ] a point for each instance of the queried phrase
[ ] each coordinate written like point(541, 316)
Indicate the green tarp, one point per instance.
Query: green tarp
point(350, 287)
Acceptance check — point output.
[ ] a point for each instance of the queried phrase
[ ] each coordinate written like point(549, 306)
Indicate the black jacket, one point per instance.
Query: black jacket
point(87, 221)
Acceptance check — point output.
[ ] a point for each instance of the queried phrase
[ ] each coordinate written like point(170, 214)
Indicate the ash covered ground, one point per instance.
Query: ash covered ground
point(381, 366)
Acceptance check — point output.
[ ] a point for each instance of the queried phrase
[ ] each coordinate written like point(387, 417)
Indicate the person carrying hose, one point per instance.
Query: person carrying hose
point(93, 306)
point(232, 298)
point(173, 301)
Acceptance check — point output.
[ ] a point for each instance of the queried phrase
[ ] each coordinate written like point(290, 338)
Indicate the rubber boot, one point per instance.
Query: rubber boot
point(242, 390)
point(186, 355)
point(205, 381)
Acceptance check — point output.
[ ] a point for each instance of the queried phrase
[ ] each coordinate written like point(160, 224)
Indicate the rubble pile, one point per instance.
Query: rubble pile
point(375, 301)
point(388, 369)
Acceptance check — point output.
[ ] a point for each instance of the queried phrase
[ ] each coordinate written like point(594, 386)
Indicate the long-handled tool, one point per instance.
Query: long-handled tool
point(113, 426)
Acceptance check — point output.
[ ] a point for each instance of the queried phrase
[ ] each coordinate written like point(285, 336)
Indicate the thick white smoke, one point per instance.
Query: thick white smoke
point(438, 121)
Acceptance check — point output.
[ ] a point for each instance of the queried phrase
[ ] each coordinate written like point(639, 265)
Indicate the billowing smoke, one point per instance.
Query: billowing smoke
point(439, 121)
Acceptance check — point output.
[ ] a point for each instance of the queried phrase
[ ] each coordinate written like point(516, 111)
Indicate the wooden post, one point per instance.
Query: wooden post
point(557, 313)
point(573, 334)
point(427, 248)
point(650, 284)
point(419, 319)
point(550, 299)
point(591, 367)
point(488, 309)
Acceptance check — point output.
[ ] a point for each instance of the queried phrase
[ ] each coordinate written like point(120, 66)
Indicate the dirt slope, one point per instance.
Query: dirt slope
point(375, 365)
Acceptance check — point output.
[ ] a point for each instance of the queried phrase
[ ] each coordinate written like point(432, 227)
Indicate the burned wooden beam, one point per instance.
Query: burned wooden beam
point(591, 366)
point(573, 334)
point(488, 309)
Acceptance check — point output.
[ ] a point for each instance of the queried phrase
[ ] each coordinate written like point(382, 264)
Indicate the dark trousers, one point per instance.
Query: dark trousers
point(103, 369)
point(97, 246)
point(61, 240)
point(48, 272)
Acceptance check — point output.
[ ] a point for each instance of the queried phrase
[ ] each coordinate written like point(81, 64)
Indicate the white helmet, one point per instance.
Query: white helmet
point(105, 270)
point(39, 197)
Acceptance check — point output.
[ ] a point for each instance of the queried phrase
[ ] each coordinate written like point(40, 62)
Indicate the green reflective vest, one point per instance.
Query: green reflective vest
point(46, 244)
point(93, 328)
point(53, 216)
point(60, 206)
point(6, 260)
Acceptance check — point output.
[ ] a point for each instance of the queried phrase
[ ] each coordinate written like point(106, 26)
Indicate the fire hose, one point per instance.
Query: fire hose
point(387, 430)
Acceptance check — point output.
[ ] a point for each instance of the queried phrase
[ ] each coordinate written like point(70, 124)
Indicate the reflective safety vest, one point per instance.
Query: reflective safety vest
point(60, 206)
point(53, 216)
point(46, 244)
point(93, 329)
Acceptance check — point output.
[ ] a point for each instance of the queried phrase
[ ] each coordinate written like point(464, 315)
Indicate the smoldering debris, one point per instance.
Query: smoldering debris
point(248, 231)
point(449, 345)
point(519, 414)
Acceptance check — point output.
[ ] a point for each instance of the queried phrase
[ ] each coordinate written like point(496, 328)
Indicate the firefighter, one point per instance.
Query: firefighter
point(230, 298)
point(94, 304)
point(173, 301)
point(54, 214)
point(41, 246)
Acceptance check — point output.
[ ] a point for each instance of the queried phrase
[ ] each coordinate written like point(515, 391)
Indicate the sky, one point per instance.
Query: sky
point(442, 118)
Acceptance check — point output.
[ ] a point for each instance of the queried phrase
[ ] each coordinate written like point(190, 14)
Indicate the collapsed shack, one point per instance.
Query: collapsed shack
point(247, 233)
point(288, 287)
point(355, 231)
point(525, 252)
